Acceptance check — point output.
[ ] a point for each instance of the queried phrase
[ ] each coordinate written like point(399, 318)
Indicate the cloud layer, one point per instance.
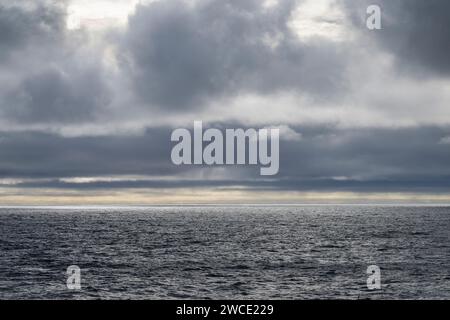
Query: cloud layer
point(93, 108)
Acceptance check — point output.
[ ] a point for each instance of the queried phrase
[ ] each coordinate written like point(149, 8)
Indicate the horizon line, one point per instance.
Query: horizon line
point(387, 204)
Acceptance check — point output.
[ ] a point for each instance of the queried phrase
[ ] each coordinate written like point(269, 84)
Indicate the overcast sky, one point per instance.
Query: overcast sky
point(90, 92)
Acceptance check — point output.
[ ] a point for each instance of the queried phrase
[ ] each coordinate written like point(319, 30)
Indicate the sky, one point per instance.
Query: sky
point(90, 92)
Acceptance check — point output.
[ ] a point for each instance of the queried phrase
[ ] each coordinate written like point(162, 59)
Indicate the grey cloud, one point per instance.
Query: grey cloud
point(181, 56)
point(416, 31)
point(47, 77)
point(20, 26)
point(408, 159)
point(326, 158)
point(56, 96)
point(44, 155)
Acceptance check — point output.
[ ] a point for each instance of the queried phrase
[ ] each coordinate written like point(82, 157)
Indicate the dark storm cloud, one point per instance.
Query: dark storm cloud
point(183, 55)
point(365, 155)
point(56, 96)
point(416, 31)
point(20, 27)
point(45, 155)
point(325, 159)
point(439, 184)
point(50, 79)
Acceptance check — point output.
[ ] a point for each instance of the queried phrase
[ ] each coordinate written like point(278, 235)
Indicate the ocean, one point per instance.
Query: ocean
point(225, 252)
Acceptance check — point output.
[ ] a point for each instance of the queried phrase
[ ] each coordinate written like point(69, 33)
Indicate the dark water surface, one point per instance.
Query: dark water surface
point(298, 252)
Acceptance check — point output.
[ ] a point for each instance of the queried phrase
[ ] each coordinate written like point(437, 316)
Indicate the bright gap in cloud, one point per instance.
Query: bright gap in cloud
point(319, 18)
point(98, 14)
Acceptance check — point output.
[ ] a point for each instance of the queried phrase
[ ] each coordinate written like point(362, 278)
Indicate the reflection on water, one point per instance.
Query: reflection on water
point(302, 252)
